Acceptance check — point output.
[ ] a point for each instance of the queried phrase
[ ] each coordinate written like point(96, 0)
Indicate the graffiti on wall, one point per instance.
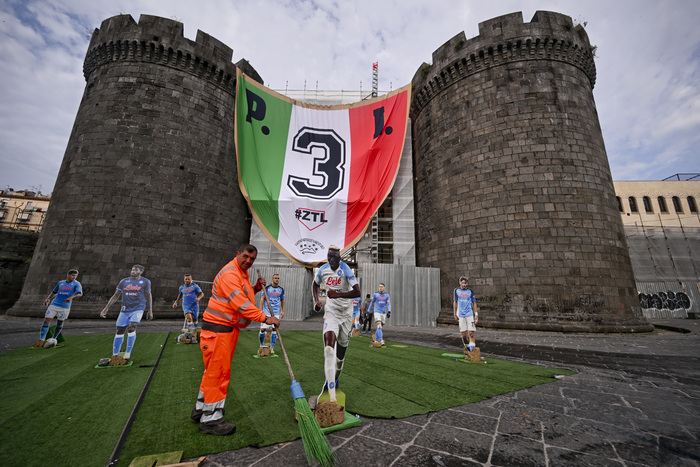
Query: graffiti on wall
point(665, 300)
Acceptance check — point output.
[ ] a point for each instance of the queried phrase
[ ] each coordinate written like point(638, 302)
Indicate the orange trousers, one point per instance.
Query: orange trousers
point(217, 352)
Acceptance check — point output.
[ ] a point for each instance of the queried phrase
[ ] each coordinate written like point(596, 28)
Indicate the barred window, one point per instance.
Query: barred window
point(677, 204)
point(691, 204)
point(633, 204)
point(662, 204)
point(647, 204)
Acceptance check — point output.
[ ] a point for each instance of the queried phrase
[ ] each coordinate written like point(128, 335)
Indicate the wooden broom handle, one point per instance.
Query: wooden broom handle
point(279, 335)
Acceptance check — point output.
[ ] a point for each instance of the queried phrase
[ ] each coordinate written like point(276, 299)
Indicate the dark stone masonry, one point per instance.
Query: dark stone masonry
point(149, 174)
point(513, 186)
point(16, 249)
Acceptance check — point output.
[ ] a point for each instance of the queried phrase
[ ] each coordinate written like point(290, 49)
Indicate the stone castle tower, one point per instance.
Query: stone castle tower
point(513, 186)
point(149, 174)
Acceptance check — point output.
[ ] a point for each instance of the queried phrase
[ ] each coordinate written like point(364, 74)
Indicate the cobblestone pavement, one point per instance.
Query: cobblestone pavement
point(634, 401)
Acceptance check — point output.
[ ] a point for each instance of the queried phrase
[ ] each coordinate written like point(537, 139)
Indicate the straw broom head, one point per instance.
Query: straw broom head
point(316, 445)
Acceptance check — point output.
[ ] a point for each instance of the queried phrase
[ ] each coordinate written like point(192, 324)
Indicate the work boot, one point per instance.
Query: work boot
point(218, 428)
point(196, 415)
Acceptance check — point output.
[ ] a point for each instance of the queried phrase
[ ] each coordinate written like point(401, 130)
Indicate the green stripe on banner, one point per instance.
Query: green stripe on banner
point(262, 126)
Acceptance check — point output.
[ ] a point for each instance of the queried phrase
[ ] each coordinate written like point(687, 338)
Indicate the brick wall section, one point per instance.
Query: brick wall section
point(513, 186)
point(149, 175)
point(16, 249)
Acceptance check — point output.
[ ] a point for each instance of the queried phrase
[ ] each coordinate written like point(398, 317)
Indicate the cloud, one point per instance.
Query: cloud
point(646, 91)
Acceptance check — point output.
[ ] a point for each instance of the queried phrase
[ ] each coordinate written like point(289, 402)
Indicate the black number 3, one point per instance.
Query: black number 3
point(330, 166)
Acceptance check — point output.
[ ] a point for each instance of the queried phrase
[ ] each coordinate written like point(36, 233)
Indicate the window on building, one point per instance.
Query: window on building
point(633, 204)
point(662, 204)
point(647, 204)
point(386, 254)
point(385, 210)
point(619, 204)
point(691, 204)
point(677, 204)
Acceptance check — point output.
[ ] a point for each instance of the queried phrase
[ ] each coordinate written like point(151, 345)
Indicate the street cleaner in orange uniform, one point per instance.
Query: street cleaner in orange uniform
point(231, 307)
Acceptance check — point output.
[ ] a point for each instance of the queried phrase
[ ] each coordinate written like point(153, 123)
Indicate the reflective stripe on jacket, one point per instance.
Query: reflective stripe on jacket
point(232, 301)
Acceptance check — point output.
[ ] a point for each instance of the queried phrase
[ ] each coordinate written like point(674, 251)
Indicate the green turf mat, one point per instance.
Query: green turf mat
point(452, 355)
point(56, 409)
point(56, 394)
point(154, 460)
point(349, 422)
point(398, 381)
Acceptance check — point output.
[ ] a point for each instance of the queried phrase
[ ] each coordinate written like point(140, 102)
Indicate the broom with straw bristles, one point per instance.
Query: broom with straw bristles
point(316, 445)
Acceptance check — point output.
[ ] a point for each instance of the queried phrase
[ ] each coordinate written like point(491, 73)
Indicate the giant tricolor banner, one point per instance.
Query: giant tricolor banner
point(314, 176)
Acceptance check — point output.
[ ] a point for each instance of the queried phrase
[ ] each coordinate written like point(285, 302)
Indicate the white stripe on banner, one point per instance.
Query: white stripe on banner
point(314, 191)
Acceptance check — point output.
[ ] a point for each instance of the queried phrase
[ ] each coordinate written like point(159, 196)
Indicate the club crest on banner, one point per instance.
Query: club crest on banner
point(316, 175)
point(308, 247)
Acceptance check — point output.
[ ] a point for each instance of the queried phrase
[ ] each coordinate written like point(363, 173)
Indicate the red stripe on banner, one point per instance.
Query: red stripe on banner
point(375, 159)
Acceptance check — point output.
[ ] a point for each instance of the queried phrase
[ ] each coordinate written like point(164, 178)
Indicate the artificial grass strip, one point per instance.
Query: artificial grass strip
point(163, 422)
point(114, 367)
point(59, 410)
point(269, 356)
point(44, 388)
point(167, 458)
point(348, 422)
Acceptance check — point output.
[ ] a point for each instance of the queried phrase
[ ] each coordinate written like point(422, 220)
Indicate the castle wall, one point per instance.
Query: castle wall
point(16, 249)
point(149, 173)
point(513, 184)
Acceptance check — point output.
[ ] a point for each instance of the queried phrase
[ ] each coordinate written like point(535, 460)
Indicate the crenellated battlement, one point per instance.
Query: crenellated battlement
point(549, 36)
point(161, 41)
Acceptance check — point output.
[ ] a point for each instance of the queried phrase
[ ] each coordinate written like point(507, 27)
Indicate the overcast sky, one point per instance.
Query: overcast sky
point(648, 61)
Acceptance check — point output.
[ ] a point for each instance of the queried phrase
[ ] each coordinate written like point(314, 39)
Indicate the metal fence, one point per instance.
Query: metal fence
point(414, 291)
point(296, 282)
point(206, 290)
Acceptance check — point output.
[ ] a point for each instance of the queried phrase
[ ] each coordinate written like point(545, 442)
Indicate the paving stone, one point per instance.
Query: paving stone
point(471, 422)
point(418, 456)
point(458, 441)
point(389, 431)
point(565, 458)
point(363, 450)
point(514, 450)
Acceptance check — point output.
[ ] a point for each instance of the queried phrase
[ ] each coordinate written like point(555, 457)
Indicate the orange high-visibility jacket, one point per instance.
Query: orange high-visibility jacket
point(232, 301)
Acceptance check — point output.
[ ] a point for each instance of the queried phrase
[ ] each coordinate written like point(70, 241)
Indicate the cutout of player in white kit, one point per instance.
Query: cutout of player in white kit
point(341, 287)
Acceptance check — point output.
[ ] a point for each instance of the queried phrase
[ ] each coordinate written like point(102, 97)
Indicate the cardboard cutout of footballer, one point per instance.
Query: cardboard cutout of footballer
point(314, 176)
